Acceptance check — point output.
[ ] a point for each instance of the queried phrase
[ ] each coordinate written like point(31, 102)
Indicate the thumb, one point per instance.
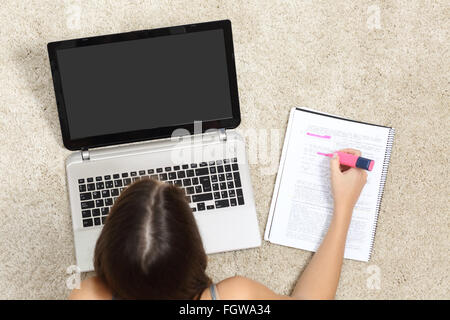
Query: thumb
point(334, 164)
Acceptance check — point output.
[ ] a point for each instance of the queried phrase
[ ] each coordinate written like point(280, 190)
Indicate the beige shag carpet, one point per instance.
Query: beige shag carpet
point(385, 62)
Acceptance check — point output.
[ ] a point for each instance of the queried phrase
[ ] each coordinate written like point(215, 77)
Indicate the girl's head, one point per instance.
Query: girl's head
point(150, 246)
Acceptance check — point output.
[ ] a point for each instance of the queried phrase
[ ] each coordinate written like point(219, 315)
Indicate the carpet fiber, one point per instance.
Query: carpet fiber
point(333, 56)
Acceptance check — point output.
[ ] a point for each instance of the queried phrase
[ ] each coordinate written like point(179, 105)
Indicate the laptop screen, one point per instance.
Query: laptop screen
point(154, 82)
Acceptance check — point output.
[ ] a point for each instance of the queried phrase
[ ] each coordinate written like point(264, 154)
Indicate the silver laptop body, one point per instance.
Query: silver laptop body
point(209, 164)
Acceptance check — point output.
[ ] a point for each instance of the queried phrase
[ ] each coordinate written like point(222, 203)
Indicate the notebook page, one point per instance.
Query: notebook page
point(303, 205)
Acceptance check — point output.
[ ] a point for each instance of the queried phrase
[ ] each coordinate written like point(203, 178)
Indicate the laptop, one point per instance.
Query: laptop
point(155, 104)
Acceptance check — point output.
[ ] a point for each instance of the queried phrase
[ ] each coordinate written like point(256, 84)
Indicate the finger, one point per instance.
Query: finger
point(355, 152)
point(334, 165)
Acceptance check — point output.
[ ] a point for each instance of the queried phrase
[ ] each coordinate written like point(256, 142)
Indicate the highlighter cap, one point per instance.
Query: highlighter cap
point(364, 163)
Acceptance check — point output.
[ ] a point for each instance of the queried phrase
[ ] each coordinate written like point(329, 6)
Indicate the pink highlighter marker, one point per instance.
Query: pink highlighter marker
point(350, 160)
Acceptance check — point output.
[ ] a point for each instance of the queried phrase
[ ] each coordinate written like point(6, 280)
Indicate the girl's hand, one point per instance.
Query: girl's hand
point(346, 183)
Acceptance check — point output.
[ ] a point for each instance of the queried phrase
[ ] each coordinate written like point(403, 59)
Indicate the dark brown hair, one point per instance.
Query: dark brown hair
point(150, 246)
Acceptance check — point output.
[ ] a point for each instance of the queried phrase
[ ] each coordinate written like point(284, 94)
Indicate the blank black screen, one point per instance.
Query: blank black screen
point(143, 84)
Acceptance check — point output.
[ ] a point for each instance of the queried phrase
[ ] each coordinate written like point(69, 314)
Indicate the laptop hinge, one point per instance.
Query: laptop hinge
point(222, 134)
point(85, 154)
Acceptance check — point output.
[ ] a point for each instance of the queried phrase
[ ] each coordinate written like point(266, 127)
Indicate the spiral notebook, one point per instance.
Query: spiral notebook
point(302, 203)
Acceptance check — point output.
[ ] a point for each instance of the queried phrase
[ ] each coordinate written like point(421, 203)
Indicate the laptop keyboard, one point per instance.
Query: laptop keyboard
point(207, 186)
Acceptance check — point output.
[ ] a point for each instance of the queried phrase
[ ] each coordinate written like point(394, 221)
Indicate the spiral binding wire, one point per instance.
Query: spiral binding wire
point(387, 157)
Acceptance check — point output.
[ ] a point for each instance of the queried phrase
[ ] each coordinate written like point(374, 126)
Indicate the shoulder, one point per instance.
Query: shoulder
point(242, 288)
point(91, 289)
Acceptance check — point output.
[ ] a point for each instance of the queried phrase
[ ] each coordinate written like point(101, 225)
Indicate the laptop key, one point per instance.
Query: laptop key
point(116, 176)
point(186, 182)
point(227, 168)
point(96, 194)
point(172, 175)
point(126, 181)
point(103, 220)
point(133, 174)
point(200, 206)
point(233, 202)
point(222, 203)
point(211, 163)
point(205, 182)
point(167, 169)
point(181, 174)
point(190, 190)
point(222, 185)
point(87, 205)
point(90, 180)
point(202, 197)
point(86, 213)
point(201, 171)
point(82, 187)
point(220, 169)
point(105, 210)
point(221, 177)
point(95, 212)
point(224, 194)
point(125, 175)
point(231, 193)
point(109, 184)
point(212, 170)
point(210, 207)
point(198, 189)
point(108, 177)
point(85, 196)
point(190, 173)
point(97, 221)
point(184, 166)
point(150, 171)
point(91, 187)
point(159, 170)
point(100, 185)
point(235, 167)
point(176, 168)
point(239, 192)
point(203, 164)
point(216, 195)
point(237, 179)
point(98, 178)
point(80, 181)
point(240, 200)
point(87, 222)
point(215, 186)
point(229, 176)
point(108, 202)
point(141, 172)
point(99, 203)
point(193, 165)
point(105, 194)
point(214, 178)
